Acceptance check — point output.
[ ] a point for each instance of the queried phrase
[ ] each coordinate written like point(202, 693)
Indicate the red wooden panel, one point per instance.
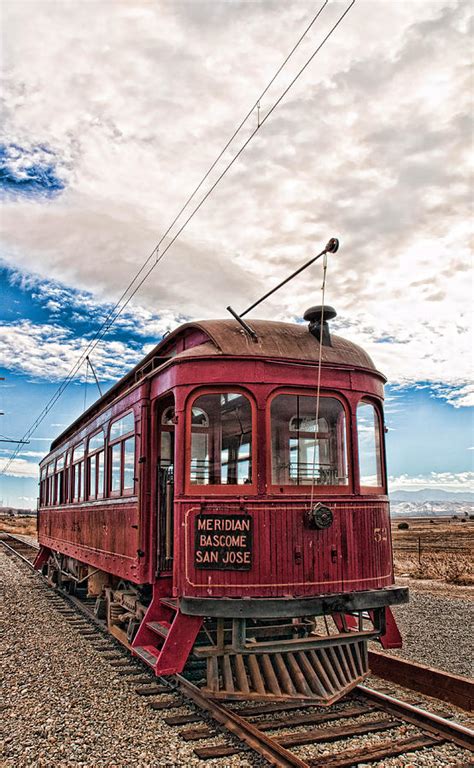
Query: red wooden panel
point(104, 536)
point(353, 554)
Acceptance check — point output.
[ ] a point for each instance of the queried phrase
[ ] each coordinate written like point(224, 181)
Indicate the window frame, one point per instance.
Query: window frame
point(94, 456)
point(80, 498)
point(305, 489)
point(193, 489)
point(50, 485)
point(67, 476)
point(374, 490)
point(122, 492)
point(60, 479)
point(42, 484)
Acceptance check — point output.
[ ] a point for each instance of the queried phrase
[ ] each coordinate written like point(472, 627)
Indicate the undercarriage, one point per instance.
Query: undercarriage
point(317, 655)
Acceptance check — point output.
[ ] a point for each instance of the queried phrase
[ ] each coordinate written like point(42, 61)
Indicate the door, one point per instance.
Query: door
point(165, 485)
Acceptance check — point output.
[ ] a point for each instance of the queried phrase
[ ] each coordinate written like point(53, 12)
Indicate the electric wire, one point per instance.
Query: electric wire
point(209, 171)
point(110, 318)
point(231, 163)
point(107, 323)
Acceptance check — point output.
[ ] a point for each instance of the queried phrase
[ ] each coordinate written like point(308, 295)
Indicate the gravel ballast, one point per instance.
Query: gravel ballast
point(63, 704)
point(437, 631)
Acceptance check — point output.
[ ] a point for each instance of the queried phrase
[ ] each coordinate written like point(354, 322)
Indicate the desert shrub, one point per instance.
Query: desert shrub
point(471, 517)
point(463, 519)
point(21, 525)
point(451, 568)
point(459, 570)
point(403, 526)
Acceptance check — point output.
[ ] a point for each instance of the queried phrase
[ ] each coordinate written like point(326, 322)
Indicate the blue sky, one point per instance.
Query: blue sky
point(370, 146)
point(429, 440)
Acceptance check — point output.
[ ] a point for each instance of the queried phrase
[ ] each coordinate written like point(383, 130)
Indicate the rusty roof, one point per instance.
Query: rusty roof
point(286, 341)
point(289, 341)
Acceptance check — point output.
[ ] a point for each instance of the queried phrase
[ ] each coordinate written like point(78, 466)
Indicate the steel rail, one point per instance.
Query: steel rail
point(15, 551)
point(257, 740)
point(240, 727)
point(236, 725)
point(455, 689)
point(19, 538)
point(428, 721)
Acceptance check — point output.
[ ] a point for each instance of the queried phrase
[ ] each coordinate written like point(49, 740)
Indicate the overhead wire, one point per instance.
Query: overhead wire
point(212, 166)
point(117, 310)
point(107, 321)
point(110, 316)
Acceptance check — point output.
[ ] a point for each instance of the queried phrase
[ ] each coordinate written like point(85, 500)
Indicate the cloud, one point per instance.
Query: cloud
point(370, 145)
point(30, 171)
point(22, 468)
point(37, 454)
point(449, 481)
point(49, 352)
point(433, 353)
point(82, 309)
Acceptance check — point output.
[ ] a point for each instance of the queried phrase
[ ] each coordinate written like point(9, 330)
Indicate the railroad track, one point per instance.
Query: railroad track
point(367, 726)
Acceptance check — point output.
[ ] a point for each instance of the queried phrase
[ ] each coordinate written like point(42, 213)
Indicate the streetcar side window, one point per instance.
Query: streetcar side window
point(50, 484)
point(221, 440)
point(60, 479)
point(43, 487)
point(369, 440)
point(308, 441)
point(115, 455)
point(128, 464)
point(95, 464)
point(122, 456)
point(122, 426)
point(67, 477)
point(78, 473)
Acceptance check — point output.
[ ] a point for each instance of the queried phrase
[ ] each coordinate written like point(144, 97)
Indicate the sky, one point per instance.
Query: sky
point(113, 111)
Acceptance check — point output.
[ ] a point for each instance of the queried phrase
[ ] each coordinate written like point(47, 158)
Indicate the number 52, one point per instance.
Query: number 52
point(380, 534)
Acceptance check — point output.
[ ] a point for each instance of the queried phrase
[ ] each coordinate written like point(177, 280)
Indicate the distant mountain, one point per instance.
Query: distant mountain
point(430, 494)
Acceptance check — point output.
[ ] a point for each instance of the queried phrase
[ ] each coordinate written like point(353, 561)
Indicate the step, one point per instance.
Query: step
point(148, 653)
point(160, 628)
point(170, 602)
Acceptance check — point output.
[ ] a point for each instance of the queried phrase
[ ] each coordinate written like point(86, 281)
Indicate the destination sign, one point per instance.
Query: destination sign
point(223, 542)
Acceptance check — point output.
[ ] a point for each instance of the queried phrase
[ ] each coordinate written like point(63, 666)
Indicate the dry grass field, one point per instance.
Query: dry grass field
point(26, 526)
point(437, 548)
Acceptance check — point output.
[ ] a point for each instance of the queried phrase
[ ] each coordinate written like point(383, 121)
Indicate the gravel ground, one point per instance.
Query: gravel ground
point(437, 631)
point(63, 705)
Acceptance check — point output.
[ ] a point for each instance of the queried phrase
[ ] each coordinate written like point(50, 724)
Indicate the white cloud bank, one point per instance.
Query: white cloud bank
point(23, 468)
point(446, 481)
point(49, 352)
point(371, 145)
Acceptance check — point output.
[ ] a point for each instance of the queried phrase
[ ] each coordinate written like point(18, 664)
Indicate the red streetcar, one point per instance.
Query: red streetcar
point(229, 515)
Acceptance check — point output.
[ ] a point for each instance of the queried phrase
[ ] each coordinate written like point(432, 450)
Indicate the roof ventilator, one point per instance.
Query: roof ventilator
point(317, 314)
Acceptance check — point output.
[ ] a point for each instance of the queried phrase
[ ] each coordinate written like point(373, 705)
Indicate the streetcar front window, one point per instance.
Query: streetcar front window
point(369, 436)
point(308, 441)
point(221, 440)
